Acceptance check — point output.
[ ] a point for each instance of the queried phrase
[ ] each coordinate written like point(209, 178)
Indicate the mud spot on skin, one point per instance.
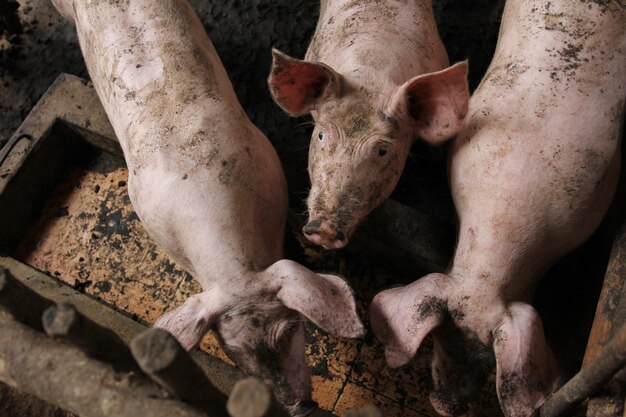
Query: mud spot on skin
point(229, 173)
point(389, 119)
point(506, 75)
point(461, 366)
point(429, 307)
point(605, 5)
point(569, 55)
point(512, 385)
point(351, 20)
point(356, 125)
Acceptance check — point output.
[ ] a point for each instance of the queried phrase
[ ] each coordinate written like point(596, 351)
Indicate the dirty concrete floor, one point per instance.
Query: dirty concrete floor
point(90, 237)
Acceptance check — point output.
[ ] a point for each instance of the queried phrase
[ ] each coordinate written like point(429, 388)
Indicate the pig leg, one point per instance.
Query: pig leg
point(402, 317)
point(192, 320)
point(526, 369)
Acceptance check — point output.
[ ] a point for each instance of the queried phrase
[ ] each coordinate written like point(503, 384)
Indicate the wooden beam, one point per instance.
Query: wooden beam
point(161, 357)
point(252, 398)
point(64, 376)
point(23, 303)
point(63, 321)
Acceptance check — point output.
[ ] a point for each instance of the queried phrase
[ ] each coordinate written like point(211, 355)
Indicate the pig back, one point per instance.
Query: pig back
point(376, 41)
point(202, 178)
point(535, 167)
point(151, 63)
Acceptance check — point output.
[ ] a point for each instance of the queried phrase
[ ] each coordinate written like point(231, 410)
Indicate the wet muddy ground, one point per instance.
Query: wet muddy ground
point(90, 237)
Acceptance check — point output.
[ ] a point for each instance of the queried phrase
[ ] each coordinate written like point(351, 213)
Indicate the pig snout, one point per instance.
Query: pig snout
point(325, 234)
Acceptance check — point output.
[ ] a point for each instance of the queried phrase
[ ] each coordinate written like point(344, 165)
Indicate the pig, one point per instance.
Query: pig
point(209, 188)
point(532, 172)
point(375, 78)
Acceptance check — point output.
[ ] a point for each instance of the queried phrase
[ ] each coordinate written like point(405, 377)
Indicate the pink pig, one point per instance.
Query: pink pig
point(209, 188)
point(532, 173)
point(374, 79)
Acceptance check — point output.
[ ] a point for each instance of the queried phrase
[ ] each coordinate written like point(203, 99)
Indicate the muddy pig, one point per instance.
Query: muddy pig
point(374, 79)
point(532, 172)
point(209, 188)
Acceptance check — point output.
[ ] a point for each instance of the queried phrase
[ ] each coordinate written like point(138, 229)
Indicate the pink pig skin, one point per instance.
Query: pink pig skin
point(374, 78)
point(209, 188)
point(532, 172)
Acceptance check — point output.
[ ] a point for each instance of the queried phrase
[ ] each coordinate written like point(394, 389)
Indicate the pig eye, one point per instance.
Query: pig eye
point(321, 135)
point(382, 151)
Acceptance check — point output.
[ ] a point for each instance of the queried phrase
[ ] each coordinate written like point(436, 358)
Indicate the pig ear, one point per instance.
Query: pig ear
point(437, 102)
point(192, 320)
point(326, 300)
point(526, 369)
point(402, 317)
point(298, 86)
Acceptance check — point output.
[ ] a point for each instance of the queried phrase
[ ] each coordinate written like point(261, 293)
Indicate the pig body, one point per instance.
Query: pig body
point(532, 173)
point(209, 188)
point(374, 79)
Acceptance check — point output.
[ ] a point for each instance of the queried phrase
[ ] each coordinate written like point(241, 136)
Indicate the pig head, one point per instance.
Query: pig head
point(471, 333)
point(362, 136)
point(259, 324)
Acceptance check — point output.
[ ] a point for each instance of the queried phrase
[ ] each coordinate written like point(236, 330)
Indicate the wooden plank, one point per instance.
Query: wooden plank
point(63, 321)
point(64, 376)
point(611, 310)
point(22, 302)
point(221, 375)
point(251, 398)
point(162, 358)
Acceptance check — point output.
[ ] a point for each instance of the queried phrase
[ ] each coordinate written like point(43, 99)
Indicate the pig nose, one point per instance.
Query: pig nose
point(325, 234)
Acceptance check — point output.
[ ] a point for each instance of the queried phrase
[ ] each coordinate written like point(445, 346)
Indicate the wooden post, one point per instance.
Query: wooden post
point(590, 379)
point(23, 303)
point(65, 322)
point(252, 398)
point(160, 356)
point(62, 375)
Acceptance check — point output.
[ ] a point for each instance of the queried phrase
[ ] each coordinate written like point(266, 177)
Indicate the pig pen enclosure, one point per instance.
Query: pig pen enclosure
point(67, 228)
